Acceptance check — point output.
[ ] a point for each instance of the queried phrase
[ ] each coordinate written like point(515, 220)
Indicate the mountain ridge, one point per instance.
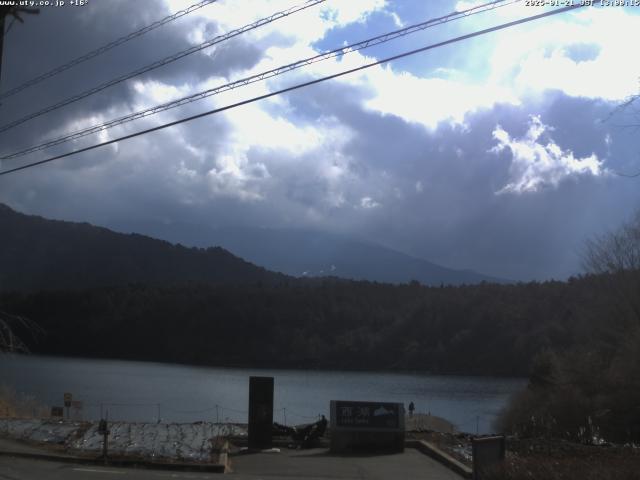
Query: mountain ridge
point(39, 253)
point(311, 253)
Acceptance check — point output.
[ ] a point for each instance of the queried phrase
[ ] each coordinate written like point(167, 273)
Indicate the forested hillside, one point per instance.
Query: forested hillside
point(483, 329)
point(86, 291)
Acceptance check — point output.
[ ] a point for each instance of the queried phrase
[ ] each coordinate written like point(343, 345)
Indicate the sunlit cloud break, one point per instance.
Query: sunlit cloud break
point(535, 164)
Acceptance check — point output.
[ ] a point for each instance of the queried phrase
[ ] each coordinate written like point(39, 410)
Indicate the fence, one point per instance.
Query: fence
point(40, 403)
point(80, 410)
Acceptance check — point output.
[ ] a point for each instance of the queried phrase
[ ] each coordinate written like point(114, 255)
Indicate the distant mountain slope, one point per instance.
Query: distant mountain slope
point(306, 253)
point(36, 253)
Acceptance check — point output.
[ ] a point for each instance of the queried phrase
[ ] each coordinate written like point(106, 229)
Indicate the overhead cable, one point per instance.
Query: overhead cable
point(161, 63)
point(298, 86)
point(104, 48)
point(370, 42)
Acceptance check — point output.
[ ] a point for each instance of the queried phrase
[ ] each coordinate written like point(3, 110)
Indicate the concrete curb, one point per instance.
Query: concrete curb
point(440, 456)
point(220, 467)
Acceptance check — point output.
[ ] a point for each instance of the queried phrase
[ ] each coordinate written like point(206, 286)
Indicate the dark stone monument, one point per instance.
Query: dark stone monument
point(488, 453)
point(260, 412)
point(367, 426)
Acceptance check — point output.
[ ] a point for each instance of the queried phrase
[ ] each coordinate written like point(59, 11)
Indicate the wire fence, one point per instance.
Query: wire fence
point(80, 410)
point(477, 424)
point(434, 414)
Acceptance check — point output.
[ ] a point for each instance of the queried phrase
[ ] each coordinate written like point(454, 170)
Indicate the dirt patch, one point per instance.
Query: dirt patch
point(428, 423)
point(574, 463)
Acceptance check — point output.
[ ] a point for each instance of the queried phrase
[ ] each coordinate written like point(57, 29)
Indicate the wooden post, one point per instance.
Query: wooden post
point(104, 430)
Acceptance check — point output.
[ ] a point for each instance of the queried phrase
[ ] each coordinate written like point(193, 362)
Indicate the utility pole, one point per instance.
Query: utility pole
point(3, 14)
point(15, 12)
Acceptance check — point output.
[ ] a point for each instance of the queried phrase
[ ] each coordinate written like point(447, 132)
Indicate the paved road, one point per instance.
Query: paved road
point(26, 469)
point(289, 464)
point(318, 464)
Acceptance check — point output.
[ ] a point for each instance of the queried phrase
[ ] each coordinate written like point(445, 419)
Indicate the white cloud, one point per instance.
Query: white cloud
point(368, 202)
point(153, 92)
point(465, 5)
point(396, 19)
point(254, 127)
point(307, 25)
point(429, 101)
point(535, 164)
point(538, 58)
point(235, 177)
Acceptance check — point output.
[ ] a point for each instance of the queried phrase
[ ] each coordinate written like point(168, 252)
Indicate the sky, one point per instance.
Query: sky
point(501, 153)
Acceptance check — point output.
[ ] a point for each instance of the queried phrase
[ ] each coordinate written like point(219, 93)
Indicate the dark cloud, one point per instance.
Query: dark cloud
point(430, 193)
point(58, 35)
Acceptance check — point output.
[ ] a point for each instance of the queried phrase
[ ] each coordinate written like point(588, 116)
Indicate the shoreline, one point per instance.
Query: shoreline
point(272, 367)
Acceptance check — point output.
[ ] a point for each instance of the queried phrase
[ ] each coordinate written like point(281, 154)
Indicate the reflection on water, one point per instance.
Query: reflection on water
point(144, 391)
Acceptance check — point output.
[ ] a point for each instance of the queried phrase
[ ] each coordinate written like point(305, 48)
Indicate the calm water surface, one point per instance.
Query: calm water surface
point(143, 391)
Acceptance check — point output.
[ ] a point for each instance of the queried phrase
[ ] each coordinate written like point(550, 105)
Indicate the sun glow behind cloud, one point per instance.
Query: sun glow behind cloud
point(538, 58)
point(523, 62)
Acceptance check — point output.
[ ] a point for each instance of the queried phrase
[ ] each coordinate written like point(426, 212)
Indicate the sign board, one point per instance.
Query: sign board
point(368, 415)
point(67, 400)
point(487, 452)
point(57, 412)
point(367, 426)
point(260, 412)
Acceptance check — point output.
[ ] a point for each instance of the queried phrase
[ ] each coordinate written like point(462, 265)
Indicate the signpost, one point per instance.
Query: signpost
point(488, 452)
point(260, 412)
point(367, 426)
point(103, 429)
point(67, 402)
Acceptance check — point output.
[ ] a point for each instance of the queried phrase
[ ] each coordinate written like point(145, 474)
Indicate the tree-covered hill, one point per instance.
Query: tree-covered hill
point(36, 254)
point(482, 329)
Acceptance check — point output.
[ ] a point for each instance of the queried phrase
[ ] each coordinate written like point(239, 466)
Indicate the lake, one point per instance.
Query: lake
point(144, 391)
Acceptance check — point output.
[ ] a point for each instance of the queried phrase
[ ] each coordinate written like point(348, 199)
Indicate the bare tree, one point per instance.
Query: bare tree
point(615, 257)
point(615, 252)
point(10, 342)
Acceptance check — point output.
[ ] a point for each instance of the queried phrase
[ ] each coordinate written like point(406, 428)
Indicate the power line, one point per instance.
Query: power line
point(300, 85)
point(163, 62)
point(263, 76)
point(104, 48)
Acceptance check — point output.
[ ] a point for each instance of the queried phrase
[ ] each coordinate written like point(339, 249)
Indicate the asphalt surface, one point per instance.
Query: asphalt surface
point(319, 464)
point(315, 464)
point(27, 469)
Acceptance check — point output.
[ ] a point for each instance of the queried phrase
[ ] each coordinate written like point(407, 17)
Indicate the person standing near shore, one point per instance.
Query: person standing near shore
point(412, 407)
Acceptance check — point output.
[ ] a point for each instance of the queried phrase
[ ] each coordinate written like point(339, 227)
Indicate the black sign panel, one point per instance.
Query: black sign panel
point(260, 411)
point(57, 412)
point(375, 415)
